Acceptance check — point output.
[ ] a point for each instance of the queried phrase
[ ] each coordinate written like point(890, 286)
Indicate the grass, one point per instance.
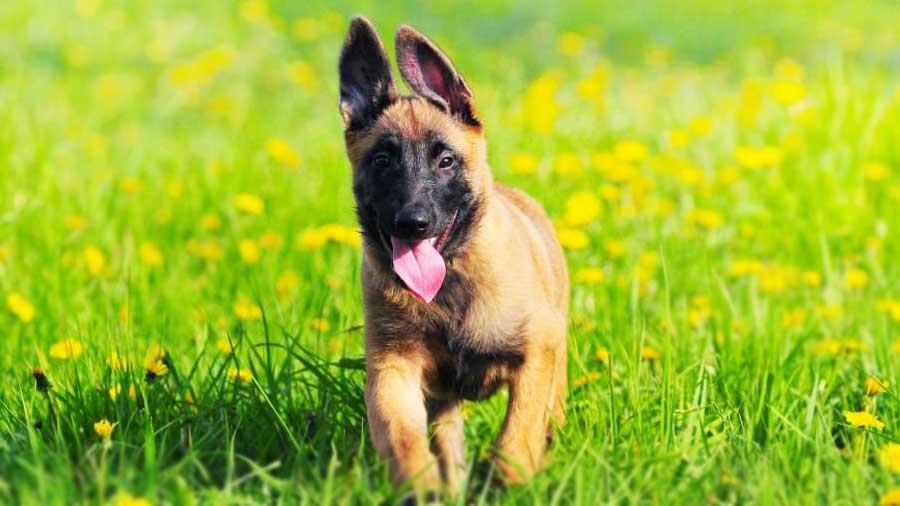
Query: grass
point(725, 177)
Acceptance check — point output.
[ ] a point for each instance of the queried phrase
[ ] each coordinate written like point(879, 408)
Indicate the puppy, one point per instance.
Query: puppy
point(464, 283)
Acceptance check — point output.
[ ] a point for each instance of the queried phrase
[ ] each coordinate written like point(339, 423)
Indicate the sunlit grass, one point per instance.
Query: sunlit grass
point(179, 296)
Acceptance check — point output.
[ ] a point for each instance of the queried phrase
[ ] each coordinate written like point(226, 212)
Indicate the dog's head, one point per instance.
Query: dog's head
point(419, 170)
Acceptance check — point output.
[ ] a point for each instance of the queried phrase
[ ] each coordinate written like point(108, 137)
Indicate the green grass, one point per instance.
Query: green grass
point(133, 122)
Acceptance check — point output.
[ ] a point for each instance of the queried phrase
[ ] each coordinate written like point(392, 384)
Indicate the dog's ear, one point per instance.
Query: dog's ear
point(429, 74)
point(367, 86)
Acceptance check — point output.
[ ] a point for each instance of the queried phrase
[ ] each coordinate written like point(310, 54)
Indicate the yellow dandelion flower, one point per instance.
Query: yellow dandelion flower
point(20, 306)
point(249, 203)
point(758, 157)
point(570, 44)
point(856, 278)
point(854, 345)
point(891, 498)
point(700, 125)
point(572, 238)
point(540, 103)
point(745, 267)
point(104, 428)
point(271, 241)
point(584, 379)
point(115, 391)
point(863, 419)
point(590, 275)
point(568, 164)
point(95, 260)
point(788, 92)
point(582, 208)
point(522, 163)
point(874, 386)
point(876, 171)
point(705, 218)
point(66, 349)
point(602, 355)
point(126, 499)
point(793, 318)
point(649, 354)
point(116, 362)
point(129, 184)
point(242, 375)
point(304, 75)
point(319, 324)
point(249, 251)
point(150, 254)
point(829, 311)
point(207, 249)
point(630, 151)
point(154, 362)
point(889, 455)
point(286, 284)
point(210, 222)
point(224, 346)
point(827, 346)
point(247, 310)
point(615, 248)
point(679, 138)
point(75, 222)
point(789, 69)
point(283, 153)
point(812, 278)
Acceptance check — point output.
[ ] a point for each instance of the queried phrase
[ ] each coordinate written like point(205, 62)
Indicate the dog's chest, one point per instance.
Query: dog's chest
point(472, 363)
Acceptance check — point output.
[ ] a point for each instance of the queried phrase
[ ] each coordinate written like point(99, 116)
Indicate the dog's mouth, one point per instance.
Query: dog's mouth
point(418, 262)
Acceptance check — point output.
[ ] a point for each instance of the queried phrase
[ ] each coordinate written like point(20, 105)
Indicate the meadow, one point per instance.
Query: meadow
point(180, 313)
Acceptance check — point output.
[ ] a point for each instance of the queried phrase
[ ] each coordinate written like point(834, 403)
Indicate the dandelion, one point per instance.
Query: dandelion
point(540, 103)
point(875, 171)
point(104, 428)
point(649, 354)
point(522, 163)
point(130, 184)
point(66, 349)
point(679, 138)
point(572, 238)
point(249, 203)
point(114, 391)
point(889, 455)
point(856, 278)
point(582, 208)
point(863, 419)
point(150, 254)
point(95, 260)
point(155, 363)
point(271, 241)
point(700, 125)
point(568, 164)
point(584, 379)
point(116, 362)
point(615, 248)
point(246, 310)
point(20, 306)
point(602, 355)
point(758, 157)
point(126, 499)
point(75, 222)
point(705, 218)
point(788, 92)
point(590, 275)
point(812, 278)
point(225, 346)
point(570, 44)
point(745, 267)
point(207, 249)
point(875, 387)
point(249, 251)
point(304, 75)
point(286, 284)
point(629, 151)
point(210, 222)
point(283, 153)
point(319, 324)
point(241, 375)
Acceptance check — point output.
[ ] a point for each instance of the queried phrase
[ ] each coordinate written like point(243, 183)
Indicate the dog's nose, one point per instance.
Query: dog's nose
point(411, 223)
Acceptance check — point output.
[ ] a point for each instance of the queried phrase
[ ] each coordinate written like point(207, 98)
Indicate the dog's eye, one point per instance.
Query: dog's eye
point(381, 160)
point(445, 162)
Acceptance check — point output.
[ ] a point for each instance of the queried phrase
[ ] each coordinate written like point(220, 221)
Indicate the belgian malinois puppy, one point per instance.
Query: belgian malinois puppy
point(464, 284)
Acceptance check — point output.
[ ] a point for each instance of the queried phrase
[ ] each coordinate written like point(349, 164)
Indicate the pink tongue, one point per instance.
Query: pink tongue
point(420, 266)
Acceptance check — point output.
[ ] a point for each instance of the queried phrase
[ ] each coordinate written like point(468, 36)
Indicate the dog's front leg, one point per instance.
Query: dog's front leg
point(534, 393)
point(447, 440)
point(398, 422)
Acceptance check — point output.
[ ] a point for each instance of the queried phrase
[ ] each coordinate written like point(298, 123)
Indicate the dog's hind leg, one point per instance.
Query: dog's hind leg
point(446, 421)
point(534, 395)
point(398, 422)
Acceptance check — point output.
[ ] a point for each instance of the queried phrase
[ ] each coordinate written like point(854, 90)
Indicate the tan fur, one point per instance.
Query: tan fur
point(518, 266)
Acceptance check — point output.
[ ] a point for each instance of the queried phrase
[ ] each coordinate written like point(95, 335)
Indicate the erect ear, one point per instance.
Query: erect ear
point(429, 74)
point(367, 87)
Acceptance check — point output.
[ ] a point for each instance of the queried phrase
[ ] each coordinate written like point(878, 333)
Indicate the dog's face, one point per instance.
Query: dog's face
point(419, 171)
